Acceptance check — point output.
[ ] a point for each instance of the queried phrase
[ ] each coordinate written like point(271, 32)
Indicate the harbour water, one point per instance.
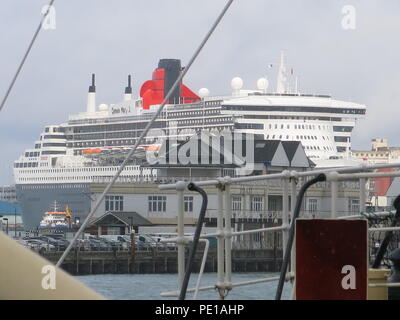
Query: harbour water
point(149, 286)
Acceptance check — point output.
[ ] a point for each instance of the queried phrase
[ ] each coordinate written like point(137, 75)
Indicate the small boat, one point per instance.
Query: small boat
point(55, 220)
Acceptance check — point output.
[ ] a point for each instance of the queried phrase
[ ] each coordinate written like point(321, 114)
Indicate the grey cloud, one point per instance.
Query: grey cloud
point(114, 38)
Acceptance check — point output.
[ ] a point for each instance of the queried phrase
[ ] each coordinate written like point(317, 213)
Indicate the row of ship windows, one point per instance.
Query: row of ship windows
point(7, 198)
point(170, 115)
point(54, 186)
point(105, 135)
point(207, 121)
point(318, 148)
point(4, 191)
point(50, 144)
point(127, 142)
point(342, 139)
point(26, 164)
point(104, 130)
point(213, 103)
point(36, 154)
point(107, 143)
point(371, 154)
point(295, 109)
point(52, 136)
point(259, 116)
point(190, 130)
point(54, 129)
point(197, 105)
point(117, 127)
point(300, 126)
point(32, 154)
point(297, 137)
point(313, 127)
point(260, 126)
point(88, 178)
point(70, 170)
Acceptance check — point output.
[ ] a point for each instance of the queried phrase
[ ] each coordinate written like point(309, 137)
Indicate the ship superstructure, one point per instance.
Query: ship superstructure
point(91, 145)
point(56, 220)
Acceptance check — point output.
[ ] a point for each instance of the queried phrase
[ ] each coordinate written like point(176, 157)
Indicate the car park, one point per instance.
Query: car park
point(39, 245)
point(58, 244)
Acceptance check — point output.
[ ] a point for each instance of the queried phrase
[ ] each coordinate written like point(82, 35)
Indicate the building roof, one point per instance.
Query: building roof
point(9, 208)
point(230, 153)
point(264, 150)
point(125, 217)
point(290, 148)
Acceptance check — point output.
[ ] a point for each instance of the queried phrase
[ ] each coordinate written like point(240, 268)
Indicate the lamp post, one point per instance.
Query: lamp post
point(15, 222)
point(6, 219)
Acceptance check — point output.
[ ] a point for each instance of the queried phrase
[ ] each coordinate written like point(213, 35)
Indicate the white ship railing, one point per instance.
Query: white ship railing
point(289, 180)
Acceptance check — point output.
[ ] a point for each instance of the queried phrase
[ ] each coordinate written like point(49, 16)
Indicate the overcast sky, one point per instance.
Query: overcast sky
point(114, 38)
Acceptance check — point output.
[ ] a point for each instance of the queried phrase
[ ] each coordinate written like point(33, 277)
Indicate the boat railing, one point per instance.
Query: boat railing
point(291, 180)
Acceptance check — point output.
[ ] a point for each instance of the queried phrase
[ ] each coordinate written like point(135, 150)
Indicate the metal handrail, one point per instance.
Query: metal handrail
point(224, 235)
point(295, 174)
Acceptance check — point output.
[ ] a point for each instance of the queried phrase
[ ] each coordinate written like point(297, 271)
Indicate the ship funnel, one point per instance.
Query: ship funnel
point(128, 90)
point(91, 101)
point(172, 69)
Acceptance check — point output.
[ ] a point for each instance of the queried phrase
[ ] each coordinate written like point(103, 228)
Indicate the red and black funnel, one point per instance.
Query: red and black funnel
point(154, 91)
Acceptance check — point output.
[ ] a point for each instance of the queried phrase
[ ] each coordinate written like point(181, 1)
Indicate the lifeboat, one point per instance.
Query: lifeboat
point(91, 151)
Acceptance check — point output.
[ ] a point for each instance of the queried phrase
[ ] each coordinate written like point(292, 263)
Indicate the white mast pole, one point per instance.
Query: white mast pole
point(281, 79)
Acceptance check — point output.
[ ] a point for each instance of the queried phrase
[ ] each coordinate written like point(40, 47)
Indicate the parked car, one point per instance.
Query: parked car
point(113, 241)
point(146, 242)
point(58, 244)
point(82, 244)
point(150, 241)
point(40, 246)
point(98, 244)
point(111, 244)
point(65, 242)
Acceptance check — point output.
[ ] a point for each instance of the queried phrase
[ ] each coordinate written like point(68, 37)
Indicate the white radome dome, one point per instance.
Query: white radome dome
point(237, 83)
point(262, 84)
point(204, 92)
point(103, 107)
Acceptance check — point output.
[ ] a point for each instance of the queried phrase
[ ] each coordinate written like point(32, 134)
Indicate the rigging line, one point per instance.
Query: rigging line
point(3, 102)
point(147, 128)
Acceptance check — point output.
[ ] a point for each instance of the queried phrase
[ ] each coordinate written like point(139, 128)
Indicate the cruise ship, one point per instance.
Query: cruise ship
point(91, 145)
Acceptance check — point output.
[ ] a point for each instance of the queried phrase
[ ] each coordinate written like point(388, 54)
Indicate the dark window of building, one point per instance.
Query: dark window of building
point(54, 144)
point(257, 203)
point(157, 203)
point(342, 128)
point(341, 139)
point(257, 126)
point(53, 152)
point(188, 204)
point(114, 203)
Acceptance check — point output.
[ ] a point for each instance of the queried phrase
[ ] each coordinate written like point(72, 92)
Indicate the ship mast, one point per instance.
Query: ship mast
point(281, 83)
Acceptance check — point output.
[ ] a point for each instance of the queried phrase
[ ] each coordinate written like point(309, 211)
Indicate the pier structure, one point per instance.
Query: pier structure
point(161, 261)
